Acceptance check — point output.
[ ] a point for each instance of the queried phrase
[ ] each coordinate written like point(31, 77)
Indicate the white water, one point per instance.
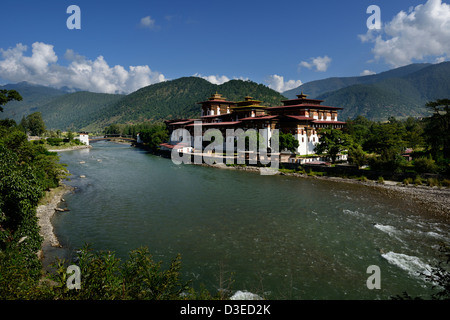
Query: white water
point(411, 264)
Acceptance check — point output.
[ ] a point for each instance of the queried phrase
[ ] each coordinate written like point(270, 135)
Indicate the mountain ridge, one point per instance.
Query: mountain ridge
point(400, 92)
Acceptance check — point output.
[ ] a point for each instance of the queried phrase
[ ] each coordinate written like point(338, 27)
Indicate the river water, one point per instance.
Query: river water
point(277, 236)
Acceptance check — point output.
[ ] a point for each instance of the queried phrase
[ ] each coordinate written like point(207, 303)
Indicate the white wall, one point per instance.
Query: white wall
point(84, 138)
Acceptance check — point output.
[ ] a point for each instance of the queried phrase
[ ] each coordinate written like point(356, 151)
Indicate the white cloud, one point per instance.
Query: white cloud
point(367, 73)
point(214, 79)
point(319, 63)
point(423, 31)
point(81, 73)
point(147, 22)
point(277, 83)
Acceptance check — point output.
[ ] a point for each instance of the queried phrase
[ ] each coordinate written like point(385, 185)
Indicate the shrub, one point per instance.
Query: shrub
point(381, 180)
point(432, 182)
point(425, 165)
point(54, 141)
point(104, 277)
point(418, 181)
point(407, 181)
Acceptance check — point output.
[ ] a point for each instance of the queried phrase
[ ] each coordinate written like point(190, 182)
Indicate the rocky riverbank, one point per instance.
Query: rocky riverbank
point(434, 200)
point(45, 211)
point(71, 148)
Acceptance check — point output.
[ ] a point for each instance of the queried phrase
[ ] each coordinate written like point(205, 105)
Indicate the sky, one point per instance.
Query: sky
point(121, 46)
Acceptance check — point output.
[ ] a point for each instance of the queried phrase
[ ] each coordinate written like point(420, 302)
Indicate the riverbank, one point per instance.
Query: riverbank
point(434, 200)
point(45, 211)
point(71, 148)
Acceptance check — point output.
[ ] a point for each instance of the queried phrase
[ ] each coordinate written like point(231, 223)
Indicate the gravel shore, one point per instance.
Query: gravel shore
point(70, 148)
point(435, 200)
point(45, 212)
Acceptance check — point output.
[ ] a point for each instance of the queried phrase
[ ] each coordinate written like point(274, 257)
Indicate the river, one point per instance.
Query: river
point(277, 236)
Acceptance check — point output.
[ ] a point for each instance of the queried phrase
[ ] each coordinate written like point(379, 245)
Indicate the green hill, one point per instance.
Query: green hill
point(178, 99)
point(400, 97)
point(76, 110)
point(34, 96)
point(400, 92)
point(319, 87)
point(93, 111)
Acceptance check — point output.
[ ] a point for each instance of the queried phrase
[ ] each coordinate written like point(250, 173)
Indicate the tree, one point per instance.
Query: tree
point(437, 128)
point(414, 129)
point(356, 155)
point(106, 278)
point(7, 96)
point(154, 136)
point(359, 129)
point(35, 124)
point(332, 142)
point(288, 142)
point(70, 135)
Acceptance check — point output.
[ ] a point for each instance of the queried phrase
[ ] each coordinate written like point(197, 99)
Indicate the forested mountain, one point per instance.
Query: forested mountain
point(319, 87)
point(399, 97)
point(93, 111)
point(34, 96)
point(76, 110)
point(179, 99)
point(400, 92)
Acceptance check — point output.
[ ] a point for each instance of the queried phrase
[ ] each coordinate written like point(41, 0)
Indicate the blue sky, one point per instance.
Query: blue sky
point(125, 45)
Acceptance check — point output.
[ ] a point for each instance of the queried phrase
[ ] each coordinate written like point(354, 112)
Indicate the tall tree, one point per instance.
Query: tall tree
point(287, 142)
point(437, 128)
point(7, 96)
point(35, 124)
point(332, 142)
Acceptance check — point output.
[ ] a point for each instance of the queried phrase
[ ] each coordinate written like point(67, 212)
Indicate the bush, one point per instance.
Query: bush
point(433, 182)
point(425, 165)
point(407, 181)
point(381, 180)
point(446, 183)
point(104, 277)
point(54, 141)
point(418, 181)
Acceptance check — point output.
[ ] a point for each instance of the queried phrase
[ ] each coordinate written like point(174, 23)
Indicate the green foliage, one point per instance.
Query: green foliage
point(357, 156)
point(34, 124)
point(332, 142)
point(54, 141)
point(287, 142)
point(178, 99)
point(7, 96)
point(19, 280)
point(154, 135)
point(437, 128)
point(425, 165)
point(381, 144)
point(26, 170)
point(76, 111)
point(105, 277)
point(390, 94)
point(70, 136)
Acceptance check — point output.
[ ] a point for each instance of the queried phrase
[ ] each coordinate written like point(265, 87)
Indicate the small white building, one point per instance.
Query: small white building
point(84, 137)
